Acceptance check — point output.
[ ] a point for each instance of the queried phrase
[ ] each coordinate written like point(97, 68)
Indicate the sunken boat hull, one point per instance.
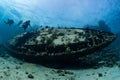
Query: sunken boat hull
point(53, 45)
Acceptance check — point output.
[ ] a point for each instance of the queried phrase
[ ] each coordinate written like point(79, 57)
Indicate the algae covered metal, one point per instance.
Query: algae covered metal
point(58, 44)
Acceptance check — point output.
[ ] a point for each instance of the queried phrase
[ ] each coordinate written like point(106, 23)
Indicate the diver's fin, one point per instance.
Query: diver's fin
point(5, 22)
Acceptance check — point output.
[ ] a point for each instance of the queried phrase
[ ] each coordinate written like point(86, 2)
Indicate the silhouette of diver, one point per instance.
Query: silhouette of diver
point(26, 24)
point(9, 22)
point(103, 26)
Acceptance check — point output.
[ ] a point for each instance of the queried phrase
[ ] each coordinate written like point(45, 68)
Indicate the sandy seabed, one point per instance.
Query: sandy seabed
point(14, 69)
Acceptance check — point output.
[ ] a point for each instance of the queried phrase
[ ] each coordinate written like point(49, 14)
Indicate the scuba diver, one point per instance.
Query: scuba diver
point(9, 22)
point(26, 24)
point(103, 26)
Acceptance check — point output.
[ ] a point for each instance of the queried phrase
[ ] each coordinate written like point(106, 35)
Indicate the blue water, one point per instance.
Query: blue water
point(63, 13)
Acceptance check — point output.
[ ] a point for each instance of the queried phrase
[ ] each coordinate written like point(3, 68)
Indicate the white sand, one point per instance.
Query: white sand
point(8, 71)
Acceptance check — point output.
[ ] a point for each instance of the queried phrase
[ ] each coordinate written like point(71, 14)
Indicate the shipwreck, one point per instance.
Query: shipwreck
point(58, 44)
